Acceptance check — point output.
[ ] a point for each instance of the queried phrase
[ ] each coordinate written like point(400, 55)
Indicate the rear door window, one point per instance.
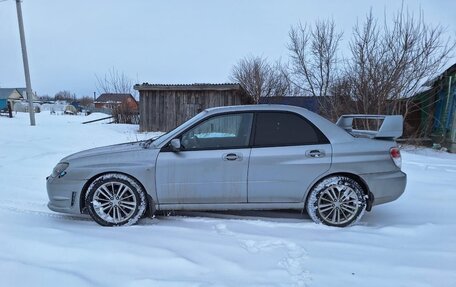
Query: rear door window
point(285, 129)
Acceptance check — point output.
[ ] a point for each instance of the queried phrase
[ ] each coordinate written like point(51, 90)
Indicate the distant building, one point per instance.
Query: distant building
point(432, 112)
point(163, 107)
point(112, 101)
point(444, 127)
point(10, 95)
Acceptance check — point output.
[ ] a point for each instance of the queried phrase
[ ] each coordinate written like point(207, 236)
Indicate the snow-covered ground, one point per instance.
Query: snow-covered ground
point(409, 242)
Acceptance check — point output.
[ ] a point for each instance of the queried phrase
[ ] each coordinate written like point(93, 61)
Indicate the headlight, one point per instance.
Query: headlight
point(59, 169)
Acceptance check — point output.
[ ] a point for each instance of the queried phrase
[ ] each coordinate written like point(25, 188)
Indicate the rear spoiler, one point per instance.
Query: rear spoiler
point(391, 127)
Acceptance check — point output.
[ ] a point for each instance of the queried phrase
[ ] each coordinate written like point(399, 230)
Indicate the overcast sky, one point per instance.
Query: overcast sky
point(69, 42)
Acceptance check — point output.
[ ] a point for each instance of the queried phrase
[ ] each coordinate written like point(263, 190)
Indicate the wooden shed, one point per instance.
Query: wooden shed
point(163, 107)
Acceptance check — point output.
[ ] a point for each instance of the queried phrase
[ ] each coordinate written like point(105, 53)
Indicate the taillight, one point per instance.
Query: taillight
point(395, 154)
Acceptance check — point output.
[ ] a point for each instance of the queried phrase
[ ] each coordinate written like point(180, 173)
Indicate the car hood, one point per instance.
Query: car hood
point(111, 149)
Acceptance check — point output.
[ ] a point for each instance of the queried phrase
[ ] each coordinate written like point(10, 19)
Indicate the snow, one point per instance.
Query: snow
point(409, 242)
point(214, 135)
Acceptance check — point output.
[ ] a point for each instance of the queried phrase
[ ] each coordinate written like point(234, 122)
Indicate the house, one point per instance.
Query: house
point(112, 101)
point(432, 113)
point(10, 95)
point(444, 125)
point(163, 107)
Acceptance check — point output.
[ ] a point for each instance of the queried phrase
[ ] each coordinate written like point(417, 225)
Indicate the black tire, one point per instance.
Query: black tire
point(115, 199)
point(336, 201)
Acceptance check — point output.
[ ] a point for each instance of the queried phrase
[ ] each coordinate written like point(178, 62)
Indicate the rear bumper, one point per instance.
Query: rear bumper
point(64, 195)
point(387, 186)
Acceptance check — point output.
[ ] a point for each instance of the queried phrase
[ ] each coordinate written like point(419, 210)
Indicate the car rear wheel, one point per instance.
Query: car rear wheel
point(116, 199)
point(336, 201)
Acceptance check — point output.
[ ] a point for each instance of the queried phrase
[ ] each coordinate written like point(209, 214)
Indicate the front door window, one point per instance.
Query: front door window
point(219, 132)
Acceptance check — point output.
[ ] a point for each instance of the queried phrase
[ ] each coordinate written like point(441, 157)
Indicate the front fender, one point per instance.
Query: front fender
point(138, 164)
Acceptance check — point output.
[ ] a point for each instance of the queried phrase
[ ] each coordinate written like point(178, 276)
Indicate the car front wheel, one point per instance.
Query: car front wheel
point(116, 199)
point(336, 201)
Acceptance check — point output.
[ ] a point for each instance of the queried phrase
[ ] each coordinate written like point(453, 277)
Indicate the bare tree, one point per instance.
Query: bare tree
point(125, 114)
point(259, 78)
point(115, 82)
point(45, 98)
point(338, 102)
point(390, 62)
point(313, 53)
point(65, 96)
point(86, 101)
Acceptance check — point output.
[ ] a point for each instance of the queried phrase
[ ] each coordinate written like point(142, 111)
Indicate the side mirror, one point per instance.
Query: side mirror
point(175, 144)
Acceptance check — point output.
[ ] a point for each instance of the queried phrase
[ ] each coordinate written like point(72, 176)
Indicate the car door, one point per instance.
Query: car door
point(211, 166)
point(288, 154)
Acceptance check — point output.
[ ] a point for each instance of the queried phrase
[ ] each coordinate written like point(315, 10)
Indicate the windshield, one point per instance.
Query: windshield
point(163, 137)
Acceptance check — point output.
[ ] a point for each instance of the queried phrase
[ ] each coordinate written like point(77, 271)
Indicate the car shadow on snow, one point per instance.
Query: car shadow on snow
point(263, 215)
point(380, 217)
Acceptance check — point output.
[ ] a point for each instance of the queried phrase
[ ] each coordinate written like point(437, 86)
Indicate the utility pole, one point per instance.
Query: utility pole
point(26, 65)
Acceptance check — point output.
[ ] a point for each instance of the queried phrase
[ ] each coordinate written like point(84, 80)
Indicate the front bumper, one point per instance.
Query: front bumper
point(64, 195)
point(386, 186)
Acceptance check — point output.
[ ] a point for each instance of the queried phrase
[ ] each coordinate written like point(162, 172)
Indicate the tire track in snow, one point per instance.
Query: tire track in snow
point(294, 262)
point(433, 166)
point(70, 275)
point(33, 208)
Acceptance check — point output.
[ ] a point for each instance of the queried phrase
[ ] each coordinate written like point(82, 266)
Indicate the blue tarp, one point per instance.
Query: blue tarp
point(3, 104)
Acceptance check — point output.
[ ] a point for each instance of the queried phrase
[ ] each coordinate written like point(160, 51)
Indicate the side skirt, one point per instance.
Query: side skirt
point(232, 206)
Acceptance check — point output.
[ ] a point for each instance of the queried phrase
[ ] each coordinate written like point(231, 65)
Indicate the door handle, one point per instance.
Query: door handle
point(232, 156)
point(315, 153)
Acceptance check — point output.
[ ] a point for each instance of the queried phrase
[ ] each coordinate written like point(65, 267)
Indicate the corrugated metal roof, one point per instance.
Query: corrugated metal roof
point(6, 92)
point(195, 86)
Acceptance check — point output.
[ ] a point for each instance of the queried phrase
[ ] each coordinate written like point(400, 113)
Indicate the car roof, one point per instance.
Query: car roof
point(258, 107)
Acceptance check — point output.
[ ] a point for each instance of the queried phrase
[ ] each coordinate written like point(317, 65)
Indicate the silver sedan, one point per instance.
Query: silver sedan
point(239, 158)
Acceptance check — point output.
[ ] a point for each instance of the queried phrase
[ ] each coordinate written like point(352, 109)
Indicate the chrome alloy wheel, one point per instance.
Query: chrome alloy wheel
point(338, 204)
point(114, 202)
